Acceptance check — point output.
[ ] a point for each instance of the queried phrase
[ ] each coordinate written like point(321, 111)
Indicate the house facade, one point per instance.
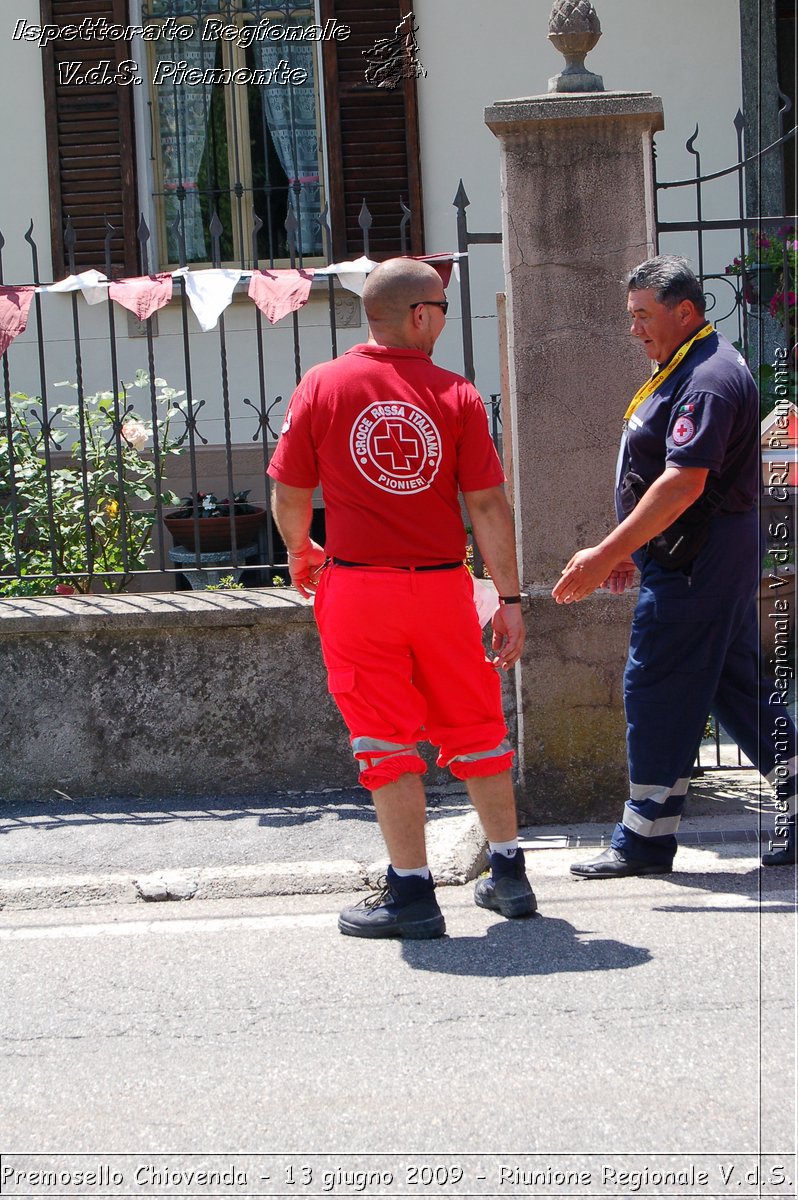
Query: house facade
point(211, 120)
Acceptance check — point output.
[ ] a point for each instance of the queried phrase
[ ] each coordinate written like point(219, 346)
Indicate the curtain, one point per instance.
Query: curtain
point(184, 115)
point(291, 115)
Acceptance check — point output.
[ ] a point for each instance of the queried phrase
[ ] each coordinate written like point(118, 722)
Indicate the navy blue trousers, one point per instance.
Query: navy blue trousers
point(694, 649)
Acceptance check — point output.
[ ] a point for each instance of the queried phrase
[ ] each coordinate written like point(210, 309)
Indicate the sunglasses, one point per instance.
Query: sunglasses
point(443, 305)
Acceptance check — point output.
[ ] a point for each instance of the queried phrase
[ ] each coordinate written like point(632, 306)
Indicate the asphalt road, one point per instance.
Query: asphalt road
point(632, 1017)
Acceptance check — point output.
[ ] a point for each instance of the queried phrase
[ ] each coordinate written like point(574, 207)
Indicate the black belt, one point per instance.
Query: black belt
point(447, 566)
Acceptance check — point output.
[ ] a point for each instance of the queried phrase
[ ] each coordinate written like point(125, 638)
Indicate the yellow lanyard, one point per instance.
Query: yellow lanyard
point(651, 385)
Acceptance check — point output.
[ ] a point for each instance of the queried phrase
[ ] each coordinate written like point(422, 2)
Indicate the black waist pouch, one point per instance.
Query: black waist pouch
point(677, 546)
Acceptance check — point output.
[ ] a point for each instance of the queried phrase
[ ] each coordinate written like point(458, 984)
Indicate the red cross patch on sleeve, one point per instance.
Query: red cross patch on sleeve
point(683, 431)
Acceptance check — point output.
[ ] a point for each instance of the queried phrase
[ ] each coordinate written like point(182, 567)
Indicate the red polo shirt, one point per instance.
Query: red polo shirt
point(391, 438)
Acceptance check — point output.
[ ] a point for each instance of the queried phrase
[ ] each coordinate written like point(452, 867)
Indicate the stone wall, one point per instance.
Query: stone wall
point(573, 752)
point(193, 693)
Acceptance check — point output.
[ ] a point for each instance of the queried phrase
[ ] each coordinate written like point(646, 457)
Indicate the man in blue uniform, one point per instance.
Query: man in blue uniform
point(687, 490)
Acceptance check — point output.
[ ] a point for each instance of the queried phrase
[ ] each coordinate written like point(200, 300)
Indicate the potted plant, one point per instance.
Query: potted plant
point(772, 256)
point(212, 519)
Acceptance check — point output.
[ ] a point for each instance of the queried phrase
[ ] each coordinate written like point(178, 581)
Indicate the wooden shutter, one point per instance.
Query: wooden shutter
point(90, 146)
point(372, 134)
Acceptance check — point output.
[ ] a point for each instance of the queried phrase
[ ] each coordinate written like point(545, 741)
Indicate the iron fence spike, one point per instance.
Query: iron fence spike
point(461, 199)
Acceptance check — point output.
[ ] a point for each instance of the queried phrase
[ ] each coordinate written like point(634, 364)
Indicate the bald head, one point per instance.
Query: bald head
point(390, 290)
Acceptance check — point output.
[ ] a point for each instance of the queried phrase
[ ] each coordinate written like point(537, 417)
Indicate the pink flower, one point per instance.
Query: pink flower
point(135, 434)
point(778, 303)
point(792, 245)
point(64, 589)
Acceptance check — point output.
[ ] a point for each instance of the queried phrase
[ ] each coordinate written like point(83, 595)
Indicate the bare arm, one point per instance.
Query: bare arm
point(492, 522)
point(675, 490)
point(292, 509)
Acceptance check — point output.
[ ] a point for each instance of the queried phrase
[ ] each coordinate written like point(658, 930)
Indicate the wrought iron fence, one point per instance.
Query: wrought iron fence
point(740, 292)
point(86, 486)
point(80, 495)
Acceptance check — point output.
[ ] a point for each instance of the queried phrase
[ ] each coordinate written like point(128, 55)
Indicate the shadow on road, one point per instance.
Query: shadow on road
point(539, 946)
point(754, 887)
point(271, 810)
point(278, 810)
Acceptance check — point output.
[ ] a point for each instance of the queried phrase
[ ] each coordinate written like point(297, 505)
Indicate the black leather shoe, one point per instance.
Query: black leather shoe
point(784, 851)
point(612, 864)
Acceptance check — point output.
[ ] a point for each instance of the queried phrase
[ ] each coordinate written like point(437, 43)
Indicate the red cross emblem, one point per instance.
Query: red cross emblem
point(396, 446)
point(683, 431)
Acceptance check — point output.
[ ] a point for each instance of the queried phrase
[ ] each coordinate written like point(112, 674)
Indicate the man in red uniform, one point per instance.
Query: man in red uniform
point(393, 439)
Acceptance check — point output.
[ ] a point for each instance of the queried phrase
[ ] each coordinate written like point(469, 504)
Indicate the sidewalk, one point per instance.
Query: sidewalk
point(60, 852)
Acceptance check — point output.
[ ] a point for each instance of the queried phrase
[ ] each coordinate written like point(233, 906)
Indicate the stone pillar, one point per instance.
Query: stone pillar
point(577, 214)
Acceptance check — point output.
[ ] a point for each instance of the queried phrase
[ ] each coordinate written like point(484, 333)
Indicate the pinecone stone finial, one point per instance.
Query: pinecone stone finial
point(574, 30)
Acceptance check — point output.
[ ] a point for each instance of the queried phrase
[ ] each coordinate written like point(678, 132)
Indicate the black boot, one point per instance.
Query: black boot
point(507, 889)
point(404, 907)
point(783, 846)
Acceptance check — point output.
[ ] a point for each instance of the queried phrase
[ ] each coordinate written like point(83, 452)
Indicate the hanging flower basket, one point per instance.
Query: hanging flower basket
point(768, 271)
point(760, 284)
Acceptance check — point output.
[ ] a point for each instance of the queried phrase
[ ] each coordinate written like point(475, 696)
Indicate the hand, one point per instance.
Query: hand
point(622, 576)
point(588, 569)
point(508, 635)
point(305, 568)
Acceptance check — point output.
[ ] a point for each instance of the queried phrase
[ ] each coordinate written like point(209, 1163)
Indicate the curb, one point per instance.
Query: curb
point(456, 853)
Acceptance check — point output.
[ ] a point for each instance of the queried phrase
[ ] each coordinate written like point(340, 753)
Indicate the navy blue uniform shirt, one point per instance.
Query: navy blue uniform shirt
point(706, 414)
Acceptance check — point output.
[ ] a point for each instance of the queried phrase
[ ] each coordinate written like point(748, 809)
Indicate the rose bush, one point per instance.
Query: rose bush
point(87, 518)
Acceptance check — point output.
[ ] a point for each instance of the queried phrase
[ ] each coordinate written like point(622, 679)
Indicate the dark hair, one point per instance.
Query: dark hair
point(671, 277)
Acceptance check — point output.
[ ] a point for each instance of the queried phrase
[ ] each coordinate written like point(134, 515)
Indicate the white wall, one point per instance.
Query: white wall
point(24, 185)
point(474, 54)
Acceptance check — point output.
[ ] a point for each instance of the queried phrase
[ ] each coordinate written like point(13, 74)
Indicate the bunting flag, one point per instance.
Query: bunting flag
point(351, 275)
point(278, 293)
point(143, 295)
point(14, 305)
point(209, 293)
point(93, 284)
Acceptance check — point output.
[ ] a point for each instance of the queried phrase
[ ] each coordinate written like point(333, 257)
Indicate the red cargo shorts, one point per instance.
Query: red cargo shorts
point(405, 662)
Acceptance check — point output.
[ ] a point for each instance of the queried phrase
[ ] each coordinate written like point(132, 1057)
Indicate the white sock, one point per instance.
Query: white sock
point(508, 849)
point(404, 873)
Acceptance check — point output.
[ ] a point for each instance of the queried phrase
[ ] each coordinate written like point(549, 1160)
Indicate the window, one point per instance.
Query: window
point(228, 146)
point(237, 126)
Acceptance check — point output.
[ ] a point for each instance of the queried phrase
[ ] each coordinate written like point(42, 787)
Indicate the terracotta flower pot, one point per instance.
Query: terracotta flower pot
point(214, 532)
